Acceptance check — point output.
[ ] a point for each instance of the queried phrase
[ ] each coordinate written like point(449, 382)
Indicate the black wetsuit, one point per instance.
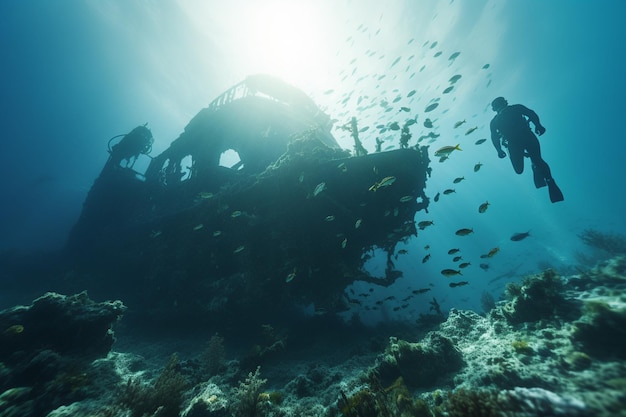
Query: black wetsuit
point(511, 125)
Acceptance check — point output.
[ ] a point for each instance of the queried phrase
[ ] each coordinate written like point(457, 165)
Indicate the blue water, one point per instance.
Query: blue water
point(75, 74)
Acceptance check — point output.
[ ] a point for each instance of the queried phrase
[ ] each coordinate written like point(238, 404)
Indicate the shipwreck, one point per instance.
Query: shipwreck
point(291, 220)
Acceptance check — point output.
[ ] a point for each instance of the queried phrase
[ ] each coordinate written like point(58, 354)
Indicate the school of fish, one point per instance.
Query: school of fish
point(384, 111)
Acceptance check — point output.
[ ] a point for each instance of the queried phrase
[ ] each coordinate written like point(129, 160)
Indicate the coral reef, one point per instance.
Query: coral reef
point(208, 400)
point(565, 360)
point(47, 351)
point(73, 325)
point(517, 402)
point(602, 330)
point(538, 297)
point(479, 403)
point(421, 364)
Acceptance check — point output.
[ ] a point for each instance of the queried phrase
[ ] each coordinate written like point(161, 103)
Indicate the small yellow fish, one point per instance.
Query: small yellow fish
point(459, 124)
point(450, 272)
point(470, 130)
point(464, 232)
point(447, 150)
point(15, 329)
point(483, 207)
point(492, 252)
point(385, 182)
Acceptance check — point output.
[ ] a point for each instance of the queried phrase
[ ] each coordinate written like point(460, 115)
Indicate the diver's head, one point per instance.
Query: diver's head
point(498, 104)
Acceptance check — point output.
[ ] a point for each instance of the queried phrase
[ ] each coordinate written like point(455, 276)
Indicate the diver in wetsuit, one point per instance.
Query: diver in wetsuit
point(511, 124)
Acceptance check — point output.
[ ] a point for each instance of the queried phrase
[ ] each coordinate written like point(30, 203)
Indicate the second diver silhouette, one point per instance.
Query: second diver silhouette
point(511, 128)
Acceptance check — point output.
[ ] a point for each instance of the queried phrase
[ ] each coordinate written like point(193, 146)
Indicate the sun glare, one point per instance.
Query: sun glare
point(287, 39)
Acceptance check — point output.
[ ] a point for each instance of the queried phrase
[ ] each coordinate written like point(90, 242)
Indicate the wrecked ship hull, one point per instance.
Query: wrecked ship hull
point(299, 231)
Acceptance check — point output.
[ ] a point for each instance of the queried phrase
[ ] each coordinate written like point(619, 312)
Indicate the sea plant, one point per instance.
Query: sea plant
point(612, 243)
point(166, 393)
point(247, 395)
point(213, 356)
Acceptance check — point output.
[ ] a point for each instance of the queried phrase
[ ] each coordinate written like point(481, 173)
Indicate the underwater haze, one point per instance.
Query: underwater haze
point(75, 74)
point(390, 263)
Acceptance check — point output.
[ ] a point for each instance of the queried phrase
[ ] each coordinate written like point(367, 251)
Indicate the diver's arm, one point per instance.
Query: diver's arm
point(533, 117)
point(495, 139)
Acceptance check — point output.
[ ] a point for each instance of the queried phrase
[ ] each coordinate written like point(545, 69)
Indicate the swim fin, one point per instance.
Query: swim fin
point(540, 181)
point(555, 192)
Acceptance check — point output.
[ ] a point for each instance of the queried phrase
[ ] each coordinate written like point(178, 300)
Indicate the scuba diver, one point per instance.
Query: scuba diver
point(138, 141)
point(511, 124)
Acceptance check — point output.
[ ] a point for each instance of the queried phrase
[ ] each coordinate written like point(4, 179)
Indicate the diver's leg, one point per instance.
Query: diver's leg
point(516, 154)
point(541, 169)
point(540, 181)
point(538, 176)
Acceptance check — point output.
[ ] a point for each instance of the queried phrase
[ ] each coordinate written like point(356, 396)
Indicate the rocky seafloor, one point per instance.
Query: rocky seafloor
point(556, 346)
